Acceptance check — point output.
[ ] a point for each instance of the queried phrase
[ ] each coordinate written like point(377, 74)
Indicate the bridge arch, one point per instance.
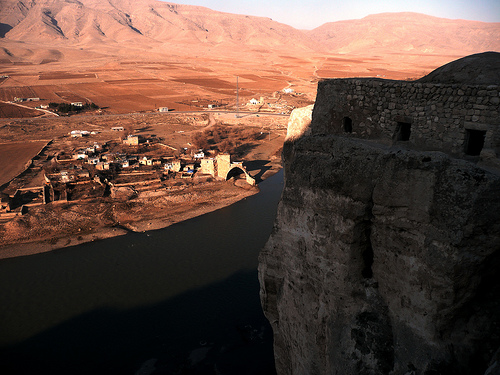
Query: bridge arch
point(235, 171)
point(238, 170)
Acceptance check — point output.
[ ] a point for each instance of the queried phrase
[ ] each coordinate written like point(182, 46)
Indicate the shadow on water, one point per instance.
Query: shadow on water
point(261, 165)
point(186, 295)
point(220, 326)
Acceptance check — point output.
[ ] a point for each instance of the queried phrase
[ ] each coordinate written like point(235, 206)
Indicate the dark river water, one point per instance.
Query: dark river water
point(180, 300)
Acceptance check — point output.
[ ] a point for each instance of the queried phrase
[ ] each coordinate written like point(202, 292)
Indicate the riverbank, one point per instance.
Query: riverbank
point(52, 227)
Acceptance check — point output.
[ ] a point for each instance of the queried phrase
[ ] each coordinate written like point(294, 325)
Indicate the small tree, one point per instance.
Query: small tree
point(199, 141)
point(226, 146)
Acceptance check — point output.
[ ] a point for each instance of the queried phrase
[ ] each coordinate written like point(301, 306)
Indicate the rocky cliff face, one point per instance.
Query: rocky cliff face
point(383, 260)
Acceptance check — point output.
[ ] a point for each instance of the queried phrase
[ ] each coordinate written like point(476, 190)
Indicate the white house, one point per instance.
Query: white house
point(146, 161)
point(80, 155)
point(79, 133)
point(199, 155)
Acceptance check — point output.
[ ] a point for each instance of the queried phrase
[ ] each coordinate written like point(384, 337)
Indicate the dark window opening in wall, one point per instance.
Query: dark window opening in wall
point(367, 254)
point(474, 141)
point(367, 271)
point(403, 131)
point(347, 123)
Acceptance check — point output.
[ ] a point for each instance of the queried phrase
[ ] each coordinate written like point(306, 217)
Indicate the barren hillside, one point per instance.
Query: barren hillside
point(387, 33)
point(58, 30)
point(121, 25)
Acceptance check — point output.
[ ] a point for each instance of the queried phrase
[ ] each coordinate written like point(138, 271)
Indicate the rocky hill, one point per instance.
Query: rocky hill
point(478, 69)
point(387, 239)
point(124, 27)
point(388, 33)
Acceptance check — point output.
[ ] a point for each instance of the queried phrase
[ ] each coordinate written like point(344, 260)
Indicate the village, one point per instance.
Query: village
point(88, 178)
point(90, 170)
point(83, 165)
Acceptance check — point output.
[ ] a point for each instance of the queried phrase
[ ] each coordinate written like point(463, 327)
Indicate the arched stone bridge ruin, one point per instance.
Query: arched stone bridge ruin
point(222, 167)
point(237, 169)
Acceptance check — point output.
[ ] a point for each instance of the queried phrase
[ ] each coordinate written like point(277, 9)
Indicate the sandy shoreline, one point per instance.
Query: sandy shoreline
point(38, 247)
point(189, 211)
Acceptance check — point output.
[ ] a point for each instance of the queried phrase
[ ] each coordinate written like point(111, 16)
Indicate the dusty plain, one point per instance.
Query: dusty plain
point(135, 86)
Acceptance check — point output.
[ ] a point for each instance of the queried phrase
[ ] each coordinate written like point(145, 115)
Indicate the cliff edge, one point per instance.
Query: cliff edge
point(387, 240)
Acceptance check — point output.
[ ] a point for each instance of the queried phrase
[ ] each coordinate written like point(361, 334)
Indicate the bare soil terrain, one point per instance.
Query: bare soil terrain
point(135, 86)
point(138, 86)
point(50, 226)
point(183, 57)
point(8, 110)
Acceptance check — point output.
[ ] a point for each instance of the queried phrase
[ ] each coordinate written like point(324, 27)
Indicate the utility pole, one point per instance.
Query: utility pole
point(237, 98)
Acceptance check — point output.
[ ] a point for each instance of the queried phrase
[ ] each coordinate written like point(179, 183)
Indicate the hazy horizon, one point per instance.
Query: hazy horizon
point(314, 13)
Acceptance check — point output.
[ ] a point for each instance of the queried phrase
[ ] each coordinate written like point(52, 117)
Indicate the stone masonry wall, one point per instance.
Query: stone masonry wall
point(439, 114)
point(208, 166)
point(223, 165)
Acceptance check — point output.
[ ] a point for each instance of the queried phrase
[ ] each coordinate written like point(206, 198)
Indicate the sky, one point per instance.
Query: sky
point(309, 14)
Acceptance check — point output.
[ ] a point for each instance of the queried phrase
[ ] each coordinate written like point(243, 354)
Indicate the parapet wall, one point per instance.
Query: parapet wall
point(432, 116)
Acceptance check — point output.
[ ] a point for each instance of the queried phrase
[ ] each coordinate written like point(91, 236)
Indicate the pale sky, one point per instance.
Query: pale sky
point(309, 14)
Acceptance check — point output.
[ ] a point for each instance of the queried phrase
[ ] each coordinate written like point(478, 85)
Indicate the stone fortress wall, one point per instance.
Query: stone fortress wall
point(448, 117)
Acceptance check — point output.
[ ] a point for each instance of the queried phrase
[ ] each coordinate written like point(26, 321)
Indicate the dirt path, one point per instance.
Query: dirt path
point(45, 111)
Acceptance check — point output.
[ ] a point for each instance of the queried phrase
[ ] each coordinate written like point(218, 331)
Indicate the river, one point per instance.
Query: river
point(184, 299)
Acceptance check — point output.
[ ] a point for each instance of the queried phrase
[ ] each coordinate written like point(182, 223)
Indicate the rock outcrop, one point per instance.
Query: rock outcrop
point(478, 69)
point(384, 256)
point(299, 122)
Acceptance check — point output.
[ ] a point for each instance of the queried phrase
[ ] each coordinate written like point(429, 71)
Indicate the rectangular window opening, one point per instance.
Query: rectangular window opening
point(403, 131)
point(474, 141)
point(347, 123)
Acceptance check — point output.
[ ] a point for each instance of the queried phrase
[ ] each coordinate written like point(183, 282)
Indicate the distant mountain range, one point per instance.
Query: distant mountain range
point(31, 30)
point(408, 33)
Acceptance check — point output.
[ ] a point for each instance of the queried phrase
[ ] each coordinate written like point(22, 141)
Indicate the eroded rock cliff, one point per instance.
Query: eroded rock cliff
point(384, 259)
